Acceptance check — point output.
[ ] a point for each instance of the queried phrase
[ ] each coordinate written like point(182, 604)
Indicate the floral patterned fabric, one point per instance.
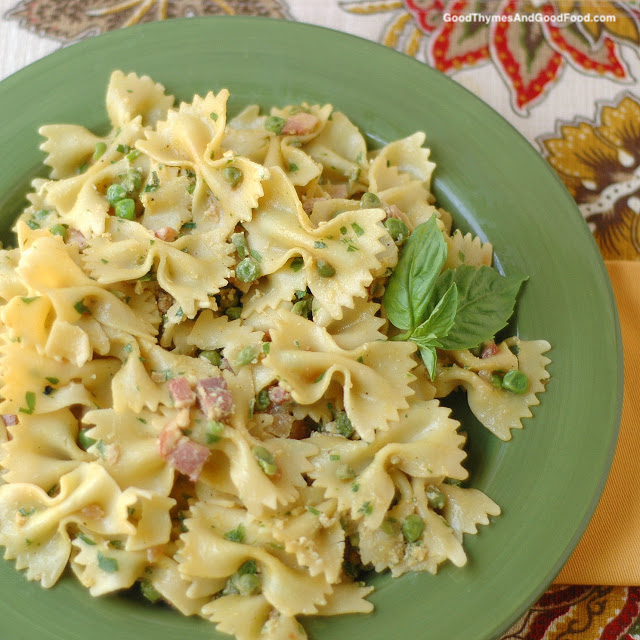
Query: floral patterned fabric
point(570, 87)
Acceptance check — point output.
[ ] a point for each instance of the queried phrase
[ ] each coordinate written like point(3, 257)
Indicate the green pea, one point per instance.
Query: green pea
point(149, 591)
point(232, 175)
point(515, 381)
point(369, 200)
point(233, 313)
point(132, 181)
point(324, 269)
point(126, 209)
point(240, 243)
point(236, 535)
point(59, 230)
point(248, 270)
point(84, 440)
point(265, 460)
point(246, 355)
point(212, 356)
point(435, 497)
point(262, 400)
point(214, 431)
point(302, 308)
point(247, 584)
point(397, 229)
point(343, 424)
point(115, 193)
point(274, 124)
point(412, 527)
point(101, 147)
point(496, 381)
point(247, 567)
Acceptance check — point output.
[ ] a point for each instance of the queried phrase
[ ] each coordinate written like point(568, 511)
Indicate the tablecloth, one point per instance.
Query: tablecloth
point(564, 73)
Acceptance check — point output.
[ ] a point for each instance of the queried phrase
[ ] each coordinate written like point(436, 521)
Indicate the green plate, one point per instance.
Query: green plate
point(547, 479)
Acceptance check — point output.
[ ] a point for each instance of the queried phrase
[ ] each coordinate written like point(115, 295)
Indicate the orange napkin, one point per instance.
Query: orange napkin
point(609, 551)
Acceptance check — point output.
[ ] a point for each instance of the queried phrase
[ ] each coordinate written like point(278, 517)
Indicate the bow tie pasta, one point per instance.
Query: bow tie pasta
point(224, 348)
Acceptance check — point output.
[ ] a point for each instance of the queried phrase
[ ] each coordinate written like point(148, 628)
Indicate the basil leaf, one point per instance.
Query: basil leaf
point(439, 323)
point(485, 303)
point(410, 287)
point(430, 358)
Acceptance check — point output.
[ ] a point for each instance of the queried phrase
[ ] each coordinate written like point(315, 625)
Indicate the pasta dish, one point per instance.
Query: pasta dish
point(225, 342)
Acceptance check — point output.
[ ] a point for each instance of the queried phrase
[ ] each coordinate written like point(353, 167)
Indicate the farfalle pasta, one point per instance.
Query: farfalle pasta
point(225, 349)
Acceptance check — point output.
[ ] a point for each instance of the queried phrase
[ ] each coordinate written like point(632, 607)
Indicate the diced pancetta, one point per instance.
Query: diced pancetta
point(181, 392)
point(215, 398)
point(299, 124)
point(168, 234)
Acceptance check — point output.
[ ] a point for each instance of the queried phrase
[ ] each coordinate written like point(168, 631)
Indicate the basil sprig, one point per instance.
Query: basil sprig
point(453, 309)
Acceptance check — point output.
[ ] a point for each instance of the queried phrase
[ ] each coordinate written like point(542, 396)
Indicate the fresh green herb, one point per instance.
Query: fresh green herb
point(214, 431)
point(59, 230)
point(82, 168)
point(410, 287)
point(25, 513)
point(293, 167)
point(188, 226)
point(123, 148)
point(255, 255)
point(213, 116)
point(345, 472)
point(318, 244)
point(265, 460)
point(274, 124)
point(106, 563)
point(236, 535)
point(149, 591)
point(357, 228)
point(133, 154)
point(239, 241)
point(82, 308)
point(366, 508)
point(153, 184)
point(212, 356)
point(343, 424)
point(334, 456)
point(262, 400)
point(29, 300)
point(52, 380)
point(486, 301)
point(100, 148)
point(324, 269)
point(430, 333)
point(30, 400)
point(86, 539)
point(313, 510)
point(297, 263)
point(84, 440)
point(32, 224)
